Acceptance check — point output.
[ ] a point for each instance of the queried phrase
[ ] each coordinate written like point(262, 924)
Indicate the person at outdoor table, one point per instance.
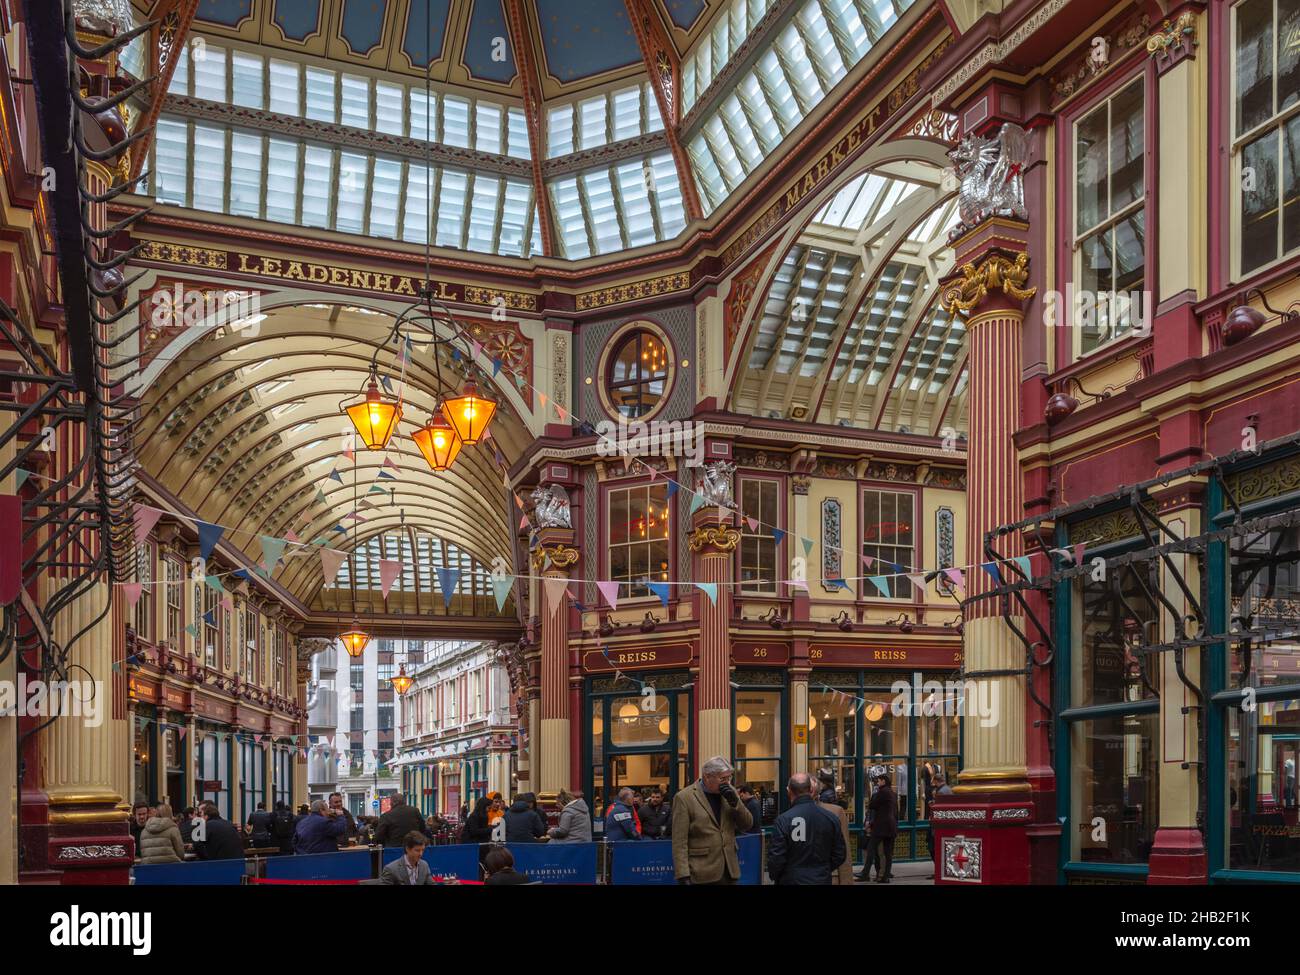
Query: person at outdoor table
point(321, 831)
point(409, 869)
point(575, 819)
point(500, 868)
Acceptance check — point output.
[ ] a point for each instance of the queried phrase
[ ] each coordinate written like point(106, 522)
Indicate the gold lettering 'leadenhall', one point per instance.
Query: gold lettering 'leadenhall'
point(339, 277)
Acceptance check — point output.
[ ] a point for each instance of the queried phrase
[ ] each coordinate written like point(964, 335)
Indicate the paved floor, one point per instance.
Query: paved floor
point(914, 874)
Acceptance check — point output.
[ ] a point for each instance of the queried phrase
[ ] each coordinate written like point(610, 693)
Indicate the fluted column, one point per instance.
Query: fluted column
point(712, 542)
point(554, 558)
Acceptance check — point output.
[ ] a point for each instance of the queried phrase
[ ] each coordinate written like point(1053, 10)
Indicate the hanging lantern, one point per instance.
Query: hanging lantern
point(470, 413)
point(374, 417)
point(438, 442)
point(401, 683)
point(355, 639)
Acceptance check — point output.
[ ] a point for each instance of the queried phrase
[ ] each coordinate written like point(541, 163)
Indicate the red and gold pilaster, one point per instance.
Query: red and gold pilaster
point(713, 543)
point(554, 558)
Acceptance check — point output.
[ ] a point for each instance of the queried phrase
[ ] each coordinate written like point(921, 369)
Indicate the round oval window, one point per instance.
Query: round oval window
point(638, 374)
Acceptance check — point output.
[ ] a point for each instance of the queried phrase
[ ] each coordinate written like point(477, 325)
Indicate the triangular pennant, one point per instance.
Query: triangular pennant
point(376, 489)
point(214, 582)
point(334, 475)
point(272, 550)
point(386, 476)
point(388, 385)
point(560, 411)
point(672, 488)
point(555, 589)
point(330, 560)
point(475, 348)
point(192, 630)
point(523, 522)
point(807, 546)
point(210, 618)
point(496, 367)
point(292, 536)
point(389, 572)
point(867, 561)
point(388, 462)
point(1078, 554)
point(956, 577)
point(227, 604)
point(660, 589)
point(132, 591)
point(992, 569)
point(209, 535)
point(881, 584)
point(541, 399)
point(320, 495)
point(145, 519)
point(609, 589)
point(709, 589)
point(917, 579)
point(447, 579)
point(697, 502)
point(777, 535)
point(753, 524)
point(501, 586)
point(1022, 561)
point(21, 476)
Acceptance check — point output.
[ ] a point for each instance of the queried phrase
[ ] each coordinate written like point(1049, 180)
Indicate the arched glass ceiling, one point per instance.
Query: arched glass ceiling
point(850, 331)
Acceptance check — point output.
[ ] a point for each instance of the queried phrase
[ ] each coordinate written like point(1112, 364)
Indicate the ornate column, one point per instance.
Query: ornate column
point(712, 543)
point(554, 558)
point(980, 831)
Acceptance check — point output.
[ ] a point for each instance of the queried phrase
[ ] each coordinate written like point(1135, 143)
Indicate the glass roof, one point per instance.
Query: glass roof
point(420, 563)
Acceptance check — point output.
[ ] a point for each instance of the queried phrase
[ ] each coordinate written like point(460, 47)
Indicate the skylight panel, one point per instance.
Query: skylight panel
point(535, 244)
point(453, 190)
point(171, 150)
point(317, 186)
point(354, 174)
point(388, 109)
point(707, 175)
point(559, 131)
point(654, 118)
point(634, 181)
point(354, 101)
point(591, 123)
point(737, 126)
point(209, 169)
point(488, 133)
point(415, 216)
point(245, 174)
point(516, 204)
point(246, 72)
point(455, 121)
point(569, 219)
point(285, 87)
point(180, 83)
point(385, 194)
point(668, 196)
point(483, 213)
point(320, 90)
point(423, 110)
point(627, 113)
point(210, 74)
point(604, 215)
point(517, 138)
point(281, 180)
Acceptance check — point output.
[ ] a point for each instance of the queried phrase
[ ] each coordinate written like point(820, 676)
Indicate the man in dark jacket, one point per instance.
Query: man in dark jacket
point(140, 814)
point(220, 839)
point(260, 822)
point(656, 817)
point(619, 821)
point(336, 802)
point(807, 846)
point(523, 825)
point(883, 811)
point(398, 821)
point(188, 818)
point(320, 831)
point(751, 803)
point(282, 827)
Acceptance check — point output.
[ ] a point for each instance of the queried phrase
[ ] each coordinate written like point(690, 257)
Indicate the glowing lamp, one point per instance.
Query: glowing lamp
point(470, 413)
point(438, 442)
point(401, 683)
point(663, 727)
point(374, 417)
point(355, 640)
point(744, 723)
point(627, 712)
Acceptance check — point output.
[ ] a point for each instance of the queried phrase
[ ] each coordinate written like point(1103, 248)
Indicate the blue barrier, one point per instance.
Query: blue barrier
point(349, 865)
point(204, 872)
point(556, 863)
point(650, 862)
point(459, 859)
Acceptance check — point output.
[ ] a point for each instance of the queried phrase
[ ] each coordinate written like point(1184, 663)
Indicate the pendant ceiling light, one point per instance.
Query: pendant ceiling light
point(438, 442)
point(355, 639)
point(374, 417)
point(401, 683)
point(470, 413)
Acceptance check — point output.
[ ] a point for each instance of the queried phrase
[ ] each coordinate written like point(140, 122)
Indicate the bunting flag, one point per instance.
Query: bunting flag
point(272, 550)
point(388, 462)
point(388, 477)
point(807, 546)
point(523, 522)
point(210, 618)
point(881, 584)
point(660, 589)
point(192, 630)
point(475, 348)
point(330, 560)
point(227, 604)
point(654, 474)
point(340, 529)
point(292, 536)
point(867, 561)
point(389, 571)
point(992, 569)
point(209, 535)
point(214, 582)
point(697, 502)
point(501, 586)
point(334, 476)
point(753, 524)
point(560, 411)
point(837, 583)
point(496, 368)
point(1023, 562)
point(519, 502)
point(20, 478)
point(132, 591)
point(348, 452)
point(320, 495)
point(541, 399)
point(455, 355)
point(609, 589)
point(777, 535)
point(447, 579)
point(376, 489)
point(1078, 554)
point(145, 519)
point(797, 584)
point(556, 586)
point(709, 589)
point(354, 516)
point(672, 488)
point(917, 579)
point(387, 384)
point(956, 577)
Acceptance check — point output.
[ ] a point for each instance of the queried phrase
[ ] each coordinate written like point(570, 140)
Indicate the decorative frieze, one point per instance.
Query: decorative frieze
point(637, 290)
point(994, 273)
point(554, 557)
point(889, 471)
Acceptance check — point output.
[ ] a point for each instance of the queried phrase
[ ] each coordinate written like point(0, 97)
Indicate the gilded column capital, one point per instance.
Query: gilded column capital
point(995, 272)
point(719, 538)
point(554, 557)
point(1174, 40)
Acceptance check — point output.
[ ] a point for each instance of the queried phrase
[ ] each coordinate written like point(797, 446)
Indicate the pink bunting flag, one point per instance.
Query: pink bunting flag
point(330, 560)
point(519, 502)
point(145, 519)
point(132, 591)
point(654, 474)
point(753, 524)
point(555, 590)
point(389, 571)
point(475, 348)
point(523, 522)
point(955, 576)
point(388, 462)
point(227, 603)
point(797, 584)
point(609, 589)
point(917, 579)
point(292, 536)
point(867, 561)
point(560, 411)
point(1078, 554)
point(541, 399)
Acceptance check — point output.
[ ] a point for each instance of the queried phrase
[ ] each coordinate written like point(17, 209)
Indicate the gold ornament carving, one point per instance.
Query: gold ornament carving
point(561, 556)
point(1180, 33)
point(719, 537)
point(995, 273)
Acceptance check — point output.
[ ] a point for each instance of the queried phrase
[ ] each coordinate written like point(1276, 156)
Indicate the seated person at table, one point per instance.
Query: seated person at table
point(321, 831)
point(221, 840)
point(523, 824)
point(409, 869)
point(401, 819)
point(160, 841)
point(500, 867)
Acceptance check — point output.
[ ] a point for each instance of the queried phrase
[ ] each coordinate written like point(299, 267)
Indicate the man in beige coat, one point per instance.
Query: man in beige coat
point(828, 801)
point(707, 817)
